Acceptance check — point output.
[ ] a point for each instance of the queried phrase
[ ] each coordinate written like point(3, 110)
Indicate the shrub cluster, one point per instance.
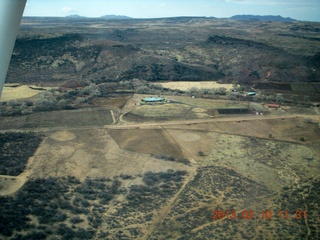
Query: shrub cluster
point(59, 208)
point(157, 186)
point(55, 203)
point(171, 158)
point(15, 150)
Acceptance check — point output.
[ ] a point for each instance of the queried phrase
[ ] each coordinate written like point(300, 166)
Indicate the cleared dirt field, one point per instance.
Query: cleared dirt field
point(185, 86)
point(197, 144)
point(289, 129)
point(148, 141)
point(18, 92)
point(90, 153)
point(296, 128)
point(157, 112)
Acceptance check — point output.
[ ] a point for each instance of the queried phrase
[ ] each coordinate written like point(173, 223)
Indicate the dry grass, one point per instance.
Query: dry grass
point(165, 110)
point(184, 86)
point(19, 92)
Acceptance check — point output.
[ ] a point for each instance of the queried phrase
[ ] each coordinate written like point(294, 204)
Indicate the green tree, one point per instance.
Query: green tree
point(201, 153)
point(279, 98)
point(193, 90)
point(13, 103)
point(143, 90)
point(221, 91)
point(62, 103)
point(44, 105)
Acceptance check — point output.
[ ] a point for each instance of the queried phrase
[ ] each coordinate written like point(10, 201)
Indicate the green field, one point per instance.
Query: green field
point(302, 87)
point(164, 110)
point(71, 118)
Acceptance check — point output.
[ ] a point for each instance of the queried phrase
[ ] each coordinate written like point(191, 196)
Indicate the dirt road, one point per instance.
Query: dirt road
point(315, 118)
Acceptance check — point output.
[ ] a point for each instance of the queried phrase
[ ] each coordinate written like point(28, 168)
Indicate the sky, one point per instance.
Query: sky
point(305, 10)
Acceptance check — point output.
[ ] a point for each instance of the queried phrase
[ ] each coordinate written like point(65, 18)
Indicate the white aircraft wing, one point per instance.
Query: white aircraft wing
point(10, 17)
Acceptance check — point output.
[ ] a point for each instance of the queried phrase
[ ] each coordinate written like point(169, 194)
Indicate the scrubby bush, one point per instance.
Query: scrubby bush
point(220, 91)
point(44, 105)
point(157, 186)
point(171, 158)
point(126, 176)
point(29, 104)
point(143, 90)
point(80, 100)
point(163, 157)
point(184, 160)
point(76, 220)
point(150, 178)
point(13, 103)
point(92, 90)
point(201, 153)
point(62, 103)
point(15, 150)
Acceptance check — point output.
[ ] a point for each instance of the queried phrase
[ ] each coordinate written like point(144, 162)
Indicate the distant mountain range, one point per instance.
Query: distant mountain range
point(236, 17)
point(75, 16)
point(262, 18)
point(115, 17)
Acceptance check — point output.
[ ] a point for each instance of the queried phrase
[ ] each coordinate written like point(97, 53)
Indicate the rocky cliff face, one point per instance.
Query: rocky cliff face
point(197, 49)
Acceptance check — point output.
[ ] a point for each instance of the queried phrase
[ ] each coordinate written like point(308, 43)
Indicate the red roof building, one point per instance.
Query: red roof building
point(273, 105)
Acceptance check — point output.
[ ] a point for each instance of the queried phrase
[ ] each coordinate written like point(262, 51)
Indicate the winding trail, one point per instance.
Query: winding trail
point(164, 212)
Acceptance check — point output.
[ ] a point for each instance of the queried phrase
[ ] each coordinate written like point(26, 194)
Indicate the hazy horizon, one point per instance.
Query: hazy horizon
point(296, 9)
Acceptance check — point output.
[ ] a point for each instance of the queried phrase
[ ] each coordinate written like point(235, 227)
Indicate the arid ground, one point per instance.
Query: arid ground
point(171, 170)
point(83, 157)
